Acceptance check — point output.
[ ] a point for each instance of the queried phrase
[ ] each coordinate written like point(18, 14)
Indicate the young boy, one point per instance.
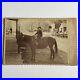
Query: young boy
point(39, 34)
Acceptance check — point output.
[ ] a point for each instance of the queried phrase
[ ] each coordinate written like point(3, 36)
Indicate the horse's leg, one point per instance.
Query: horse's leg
point(18, 49)
point(52, 53)
point(33, 52)
point(52, 50)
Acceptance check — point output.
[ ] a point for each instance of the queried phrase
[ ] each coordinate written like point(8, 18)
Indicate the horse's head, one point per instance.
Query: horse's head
point(21, 36)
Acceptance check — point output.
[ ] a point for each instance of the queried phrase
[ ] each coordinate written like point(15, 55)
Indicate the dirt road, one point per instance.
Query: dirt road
point(42, 55)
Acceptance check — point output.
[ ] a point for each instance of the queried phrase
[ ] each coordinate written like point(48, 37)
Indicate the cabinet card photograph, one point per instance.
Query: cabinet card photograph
point(42, 41)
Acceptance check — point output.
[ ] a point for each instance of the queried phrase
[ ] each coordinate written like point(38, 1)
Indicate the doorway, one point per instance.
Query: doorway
point(10, 41)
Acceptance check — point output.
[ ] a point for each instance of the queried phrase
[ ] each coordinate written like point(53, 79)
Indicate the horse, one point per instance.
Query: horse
point(31, 41)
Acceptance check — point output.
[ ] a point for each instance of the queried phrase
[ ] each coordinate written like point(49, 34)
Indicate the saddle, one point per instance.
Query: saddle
point(39, 41)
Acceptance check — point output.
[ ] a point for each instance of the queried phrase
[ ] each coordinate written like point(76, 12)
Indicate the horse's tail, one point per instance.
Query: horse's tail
point(56, 48)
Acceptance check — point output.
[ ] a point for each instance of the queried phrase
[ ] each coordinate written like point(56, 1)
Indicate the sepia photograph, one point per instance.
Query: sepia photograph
point(42, 41)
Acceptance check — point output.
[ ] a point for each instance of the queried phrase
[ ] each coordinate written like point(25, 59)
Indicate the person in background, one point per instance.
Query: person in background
point(50, 30)
point(11, 30)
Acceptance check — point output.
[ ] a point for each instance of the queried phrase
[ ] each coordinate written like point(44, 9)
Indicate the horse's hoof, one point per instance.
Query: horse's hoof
point(24, 62)
point(21, 57)
point(50, 58)
point(33, 60)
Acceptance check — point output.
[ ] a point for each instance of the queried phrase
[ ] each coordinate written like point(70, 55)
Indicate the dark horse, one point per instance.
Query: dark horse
point(31, 41)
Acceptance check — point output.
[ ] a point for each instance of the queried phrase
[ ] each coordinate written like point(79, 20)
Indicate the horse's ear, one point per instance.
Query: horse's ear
point(21, 34)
